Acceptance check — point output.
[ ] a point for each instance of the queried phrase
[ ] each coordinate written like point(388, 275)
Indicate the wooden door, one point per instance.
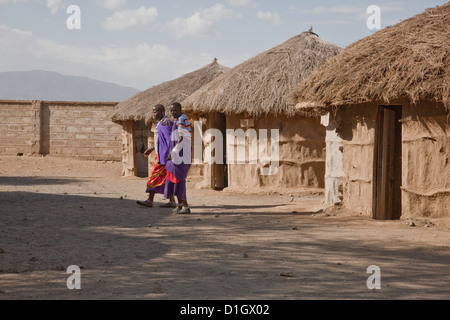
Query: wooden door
point(219, 170)
point(141, 144)
point(387, 164)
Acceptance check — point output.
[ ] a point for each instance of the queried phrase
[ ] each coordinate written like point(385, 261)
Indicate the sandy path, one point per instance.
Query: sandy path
point(58, 212)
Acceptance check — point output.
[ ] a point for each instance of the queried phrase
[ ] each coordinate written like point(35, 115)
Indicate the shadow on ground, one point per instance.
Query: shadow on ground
point(129, 252)
point(30, 181)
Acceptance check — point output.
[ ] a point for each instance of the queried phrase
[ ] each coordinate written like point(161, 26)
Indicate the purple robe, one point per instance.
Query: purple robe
point(179, 171)
point(164, 131)
point(163, 143)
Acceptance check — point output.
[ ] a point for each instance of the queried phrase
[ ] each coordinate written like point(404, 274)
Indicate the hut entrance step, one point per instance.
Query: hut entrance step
point(387, 173)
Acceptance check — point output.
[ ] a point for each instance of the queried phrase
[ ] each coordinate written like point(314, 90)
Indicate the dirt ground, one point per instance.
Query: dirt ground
point(286, 245)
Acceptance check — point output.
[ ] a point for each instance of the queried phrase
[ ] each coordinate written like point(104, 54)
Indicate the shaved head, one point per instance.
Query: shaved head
point(159, 112)
point(176, 105)
point(160, 108)
point(175, 109)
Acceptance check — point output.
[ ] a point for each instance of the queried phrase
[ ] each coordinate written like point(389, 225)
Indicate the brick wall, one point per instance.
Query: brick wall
point(16, 127)
point(73, 129)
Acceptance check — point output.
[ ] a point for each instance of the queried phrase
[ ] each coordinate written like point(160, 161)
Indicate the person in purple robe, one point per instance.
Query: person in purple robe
point(157, 177)
point(179, 159)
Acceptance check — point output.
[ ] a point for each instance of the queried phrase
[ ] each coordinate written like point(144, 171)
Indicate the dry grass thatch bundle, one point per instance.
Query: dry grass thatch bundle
point(139, 107)
point(409, 60)
point(261, 84)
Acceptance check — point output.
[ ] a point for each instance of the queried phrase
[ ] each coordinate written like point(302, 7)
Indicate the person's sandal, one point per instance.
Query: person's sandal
point(185, 211)
point(177, 209)
point(145, 203)
point(169, 205)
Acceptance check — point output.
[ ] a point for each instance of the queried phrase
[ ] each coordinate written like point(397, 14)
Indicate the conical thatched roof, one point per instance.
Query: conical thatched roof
point(139, 107)
point(409, 60)
point(261, 84)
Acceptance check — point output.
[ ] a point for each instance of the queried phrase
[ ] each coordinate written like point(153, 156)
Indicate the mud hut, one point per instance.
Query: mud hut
point(387, 101)
point(135, 116)
point(249, 106)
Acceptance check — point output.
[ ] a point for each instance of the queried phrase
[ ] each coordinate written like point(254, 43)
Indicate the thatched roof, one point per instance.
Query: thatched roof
point(409, 60)
point(139, 107)
point(261, 84)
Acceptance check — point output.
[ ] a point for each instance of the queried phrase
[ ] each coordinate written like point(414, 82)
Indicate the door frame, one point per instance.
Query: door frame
point(387, 166)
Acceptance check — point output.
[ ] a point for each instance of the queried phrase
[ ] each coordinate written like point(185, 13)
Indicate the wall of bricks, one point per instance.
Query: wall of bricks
point(72, 129)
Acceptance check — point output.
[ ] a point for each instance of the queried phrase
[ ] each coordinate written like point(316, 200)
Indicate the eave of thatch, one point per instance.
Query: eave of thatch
point(408, 60)
point(139, 107)
point(261, 84)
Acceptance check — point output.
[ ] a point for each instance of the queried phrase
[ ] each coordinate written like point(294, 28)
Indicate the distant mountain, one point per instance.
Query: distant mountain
point(46, 85)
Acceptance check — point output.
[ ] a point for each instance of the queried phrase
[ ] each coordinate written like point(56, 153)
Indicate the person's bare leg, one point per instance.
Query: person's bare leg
point(185, 206)
point(149, 201)
point(172, 203)
point(151, 196)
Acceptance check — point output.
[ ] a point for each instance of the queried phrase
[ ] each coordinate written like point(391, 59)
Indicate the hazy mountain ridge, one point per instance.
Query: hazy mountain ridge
point(47, 85)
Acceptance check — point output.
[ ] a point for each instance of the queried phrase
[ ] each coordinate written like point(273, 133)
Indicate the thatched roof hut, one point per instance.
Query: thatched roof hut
point(253, 96)
point(261, 84)
point(139, 106)
point(135, 114)
point(389, 97)
point(409, 60)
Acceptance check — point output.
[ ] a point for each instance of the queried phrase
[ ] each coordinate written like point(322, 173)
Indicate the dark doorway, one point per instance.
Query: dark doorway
point(387, 173)
point(141, 144)
point(45, 130)
point(219, 174)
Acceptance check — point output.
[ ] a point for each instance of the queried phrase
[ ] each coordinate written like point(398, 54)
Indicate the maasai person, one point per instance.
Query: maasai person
point(179, 159)
point(157, 177)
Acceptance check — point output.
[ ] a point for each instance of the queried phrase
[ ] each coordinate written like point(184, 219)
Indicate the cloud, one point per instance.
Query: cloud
point(218, 12)
point(364, 15)
point(4, 31)
point(112, 4)
point(141, 66)
point(344, 14)
point(338, 9)
point(390, 9)
point(345, 9)
point(242, 3)
point(271, 17)
point(131, 18)
point(54, 5)
point(3, 2)
point(204, 23)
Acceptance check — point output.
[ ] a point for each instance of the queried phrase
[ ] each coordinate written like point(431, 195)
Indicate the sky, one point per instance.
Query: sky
point(141, 44)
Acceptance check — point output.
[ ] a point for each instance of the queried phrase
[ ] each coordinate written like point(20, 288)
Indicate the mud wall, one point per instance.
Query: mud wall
point(197, 169)
point(334, 170)
point(301, 154)
point(356, 127)
point(425, 161)
point(425, 158)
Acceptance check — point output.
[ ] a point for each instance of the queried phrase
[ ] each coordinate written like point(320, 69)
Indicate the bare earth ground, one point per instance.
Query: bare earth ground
point(57, 212)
